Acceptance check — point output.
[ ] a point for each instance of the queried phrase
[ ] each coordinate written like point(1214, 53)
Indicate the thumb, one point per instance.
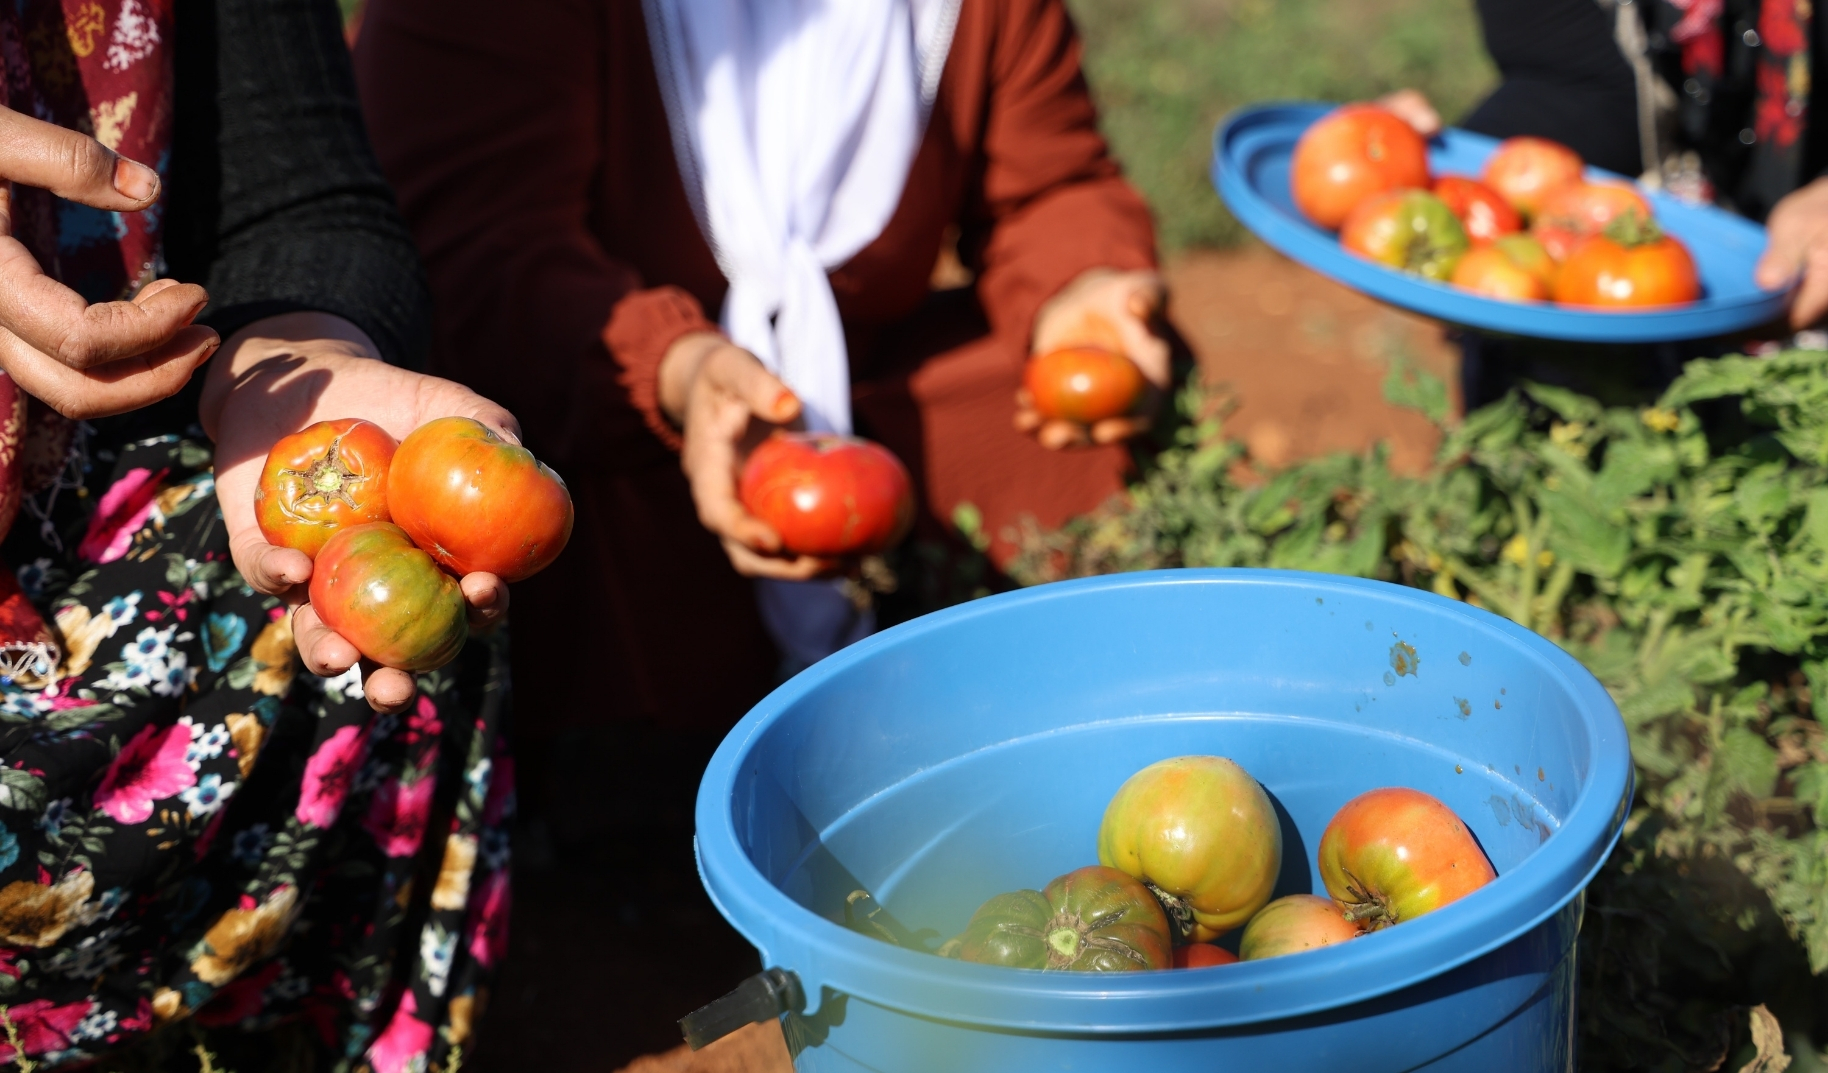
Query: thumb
point(1783, 258)
point(741, 374)
point(71, 165)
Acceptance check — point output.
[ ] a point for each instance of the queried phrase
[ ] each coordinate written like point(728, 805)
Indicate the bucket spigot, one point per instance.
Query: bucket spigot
point(762, 997)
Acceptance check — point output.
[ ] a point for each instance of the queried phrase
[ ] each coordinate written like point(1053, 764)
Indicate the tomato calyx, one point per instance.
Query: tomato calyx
point(1632, 229)
point(1179, 913)
point(1366, 908)
point(1068, 936)
point(328, 478)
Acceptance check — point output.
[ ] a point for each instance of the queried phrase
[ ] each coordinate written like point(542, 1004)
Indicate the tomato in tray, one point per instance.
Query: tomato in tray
point(1083, 384)
point(477, 502)
point(1579, 210)
point(317, 481)
point(828, 495)
point(1394, 854)
point(1629, 266)
point(1292, 924)
point(1092, 919)
point(1203, 833)
point(388, 598)
point(1515, 268)
point(1411, 230)
point(1350, 154)
point(1482, 211)
point(1525, 170)
point(1202, 955)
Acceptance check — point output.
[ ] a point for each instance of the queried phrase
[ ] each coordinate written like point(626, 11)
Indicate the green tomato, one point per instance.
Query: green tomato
point(1408, 229)
point(1093, 919)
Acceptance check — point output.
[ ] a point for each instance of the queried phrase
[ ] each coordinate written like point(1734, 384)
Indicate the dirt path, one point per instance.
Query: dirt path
point(602, 963)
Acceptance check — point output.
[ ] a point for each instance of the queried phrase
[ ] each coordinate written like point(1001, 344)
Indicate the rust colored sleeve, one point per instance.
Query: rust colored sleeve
point(491, 130)
point(1053, 202)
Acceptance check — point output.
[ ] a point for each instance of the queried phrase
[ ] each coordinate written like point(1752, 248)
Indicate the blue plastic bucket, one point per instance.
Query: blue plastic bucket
point(973, 751)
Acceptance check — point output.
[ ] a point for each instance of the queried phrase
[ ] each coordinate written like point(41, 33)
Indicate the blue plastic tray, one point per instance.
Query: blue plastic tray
point(1250, 167)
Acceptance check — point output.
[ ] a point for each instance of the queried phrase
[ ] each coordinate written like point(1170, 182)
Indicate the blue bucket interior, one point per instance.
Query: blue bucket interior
point(973, 752)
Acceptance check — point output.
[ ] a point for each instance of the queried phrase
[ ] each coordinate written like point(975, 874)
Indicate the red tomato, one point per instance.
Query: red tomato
point(1515, 267)
point(1408, 229)
point(1083, 384)
point(388, 598)
point(1581, 209)
point(1203, 833)
point(1292, 924)
point(1482, 211)
point(1526, 170)
point(319, 480)
point(1351, 153)
point(1394, 854)
point(1628, 267)
point(478, 502)
point(1202, 955)
point(828, 495)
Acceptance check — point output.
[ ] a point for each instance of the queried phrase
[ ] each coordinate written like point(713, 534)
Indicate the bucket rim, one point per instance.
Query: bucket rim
point(827, 955)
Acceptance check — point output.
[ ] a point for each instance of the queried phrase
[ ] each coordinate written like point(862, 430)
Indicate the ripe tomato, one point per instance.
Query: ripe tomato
point(1612, 270)
point(1394, 854)
point(478, 502)
point(828, 495)
point(1202, 955)
point(1089, 920)
point(1515, 267)
point(1083, 384)
point(1581, 209)
point(1201, 832)
point(319, 480)
point(1482, 211)
point(1350, 154)
point(388, 598)
point(1292, 924)
point(1525, 170)
point(1408, 229)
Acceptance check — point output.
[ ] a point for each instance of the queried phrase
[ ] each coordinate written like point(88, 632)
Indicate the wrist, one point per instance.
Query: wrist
point(679, 369)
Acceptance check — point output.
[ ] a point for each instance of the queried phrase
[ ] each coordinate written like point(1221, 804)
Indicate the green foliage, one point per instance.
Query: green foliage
point(1685, 563)
point(1166, 71)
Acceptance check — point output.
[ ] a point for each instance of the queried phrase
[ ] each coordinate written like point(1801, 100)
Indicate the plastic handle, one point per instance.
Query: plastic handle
point(762, 997)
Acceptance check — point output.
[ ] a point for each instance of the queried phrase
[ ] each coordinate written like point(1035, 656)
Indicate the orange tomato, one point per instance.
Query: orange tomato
point(1526, 170)
point(1292, 924)
point(1348, 155)
point(1515, 268)
point(477, 502)
point(1482, 211)
point(1581, 209)
point(319, 480)
point(1628, 267)
point(1202, 955)
point(1395, 854)
point(1411, 230)
point(1083, 384)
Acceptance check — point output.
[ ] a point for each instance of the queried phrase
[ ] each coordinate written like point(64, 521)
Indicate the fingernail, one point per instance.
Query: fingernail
point(785, 402)
point(135, 180)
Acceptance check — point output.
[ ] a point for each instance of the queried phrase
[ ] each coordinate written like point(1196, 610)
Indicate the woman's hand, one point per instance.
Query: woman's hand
point(725, 402)
point(1414, 109)
point(277, 376)
point(1114, 311)
point(1798, 250)
point(88, 360)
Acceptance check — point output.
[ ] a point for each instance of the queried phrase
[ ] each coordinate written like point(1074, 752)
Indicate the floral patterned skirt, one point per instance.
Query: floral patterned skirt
point(193, 832)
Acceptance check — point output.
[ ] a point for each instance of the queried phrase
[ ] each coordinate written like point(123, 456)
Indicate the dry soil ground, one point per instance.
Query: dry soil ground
point(603, 962)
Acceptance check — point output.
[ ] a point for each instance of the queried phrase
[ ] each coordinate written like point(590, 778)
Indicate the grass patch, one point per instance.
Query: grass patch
point(1165, 72)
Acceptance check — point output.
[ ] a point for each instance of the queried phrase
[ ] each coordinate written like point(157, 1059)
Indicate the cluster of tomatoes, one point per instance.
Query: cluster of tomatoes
point(390, 527)
point(1532, 228)
point(1190, 849)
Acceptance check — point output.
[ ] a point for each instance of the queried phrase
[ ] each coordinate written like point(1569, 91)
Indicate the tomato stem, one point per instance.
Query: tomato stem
point(1365, 907)
point(1178, 912)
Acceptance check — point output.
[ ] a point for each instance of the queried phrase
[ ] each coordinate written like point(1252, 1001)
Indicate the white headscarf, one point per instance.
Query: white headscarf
point(795, 123)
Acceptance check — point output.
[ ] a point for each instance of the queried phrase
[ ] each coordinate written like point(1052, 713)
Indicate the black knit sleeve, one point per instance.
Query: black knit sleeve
point(274, 200)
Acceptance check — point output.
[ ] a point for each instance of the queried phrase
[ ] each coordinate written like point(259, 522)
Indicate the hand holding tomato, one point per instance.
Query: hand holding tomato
point(1110, 311)
point(725, 403)
point(278, 376)
point(1798, 251)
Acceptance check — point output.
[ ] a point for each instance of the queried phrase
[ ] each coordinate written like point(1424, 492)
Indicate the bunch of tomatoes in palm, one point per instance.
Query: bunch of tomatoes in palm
point(1189, 851)
point(1531, 228)
point(391, 527)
